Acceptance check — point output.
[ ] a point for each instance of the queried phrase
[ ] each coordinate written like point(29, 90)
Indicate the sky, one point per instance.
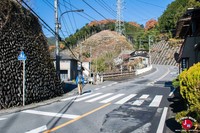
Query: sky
point(139, 11)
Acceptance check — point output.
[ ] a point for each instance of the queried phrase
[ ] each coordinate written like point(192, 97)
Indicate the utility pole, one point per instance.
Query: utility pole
point(149, 50)
point(57, 39)
point(140, 44)
point(90, 60)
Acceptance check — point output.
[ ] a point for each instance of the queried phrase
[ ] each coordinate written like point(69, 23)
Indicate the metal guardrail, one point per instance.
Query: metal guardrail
point(117, 74)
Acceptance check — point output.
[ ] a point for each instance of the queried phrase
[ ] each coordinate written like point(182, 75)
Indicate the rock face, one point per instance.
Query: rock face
point(20, 30)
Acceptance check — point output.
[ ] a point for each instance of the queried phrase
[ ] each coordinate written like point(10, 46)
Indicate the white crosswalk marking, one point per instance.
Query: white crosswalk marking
point(120, 98)
point(87, 97)
point(73, 97)
point(122, 101)
point(140, 100)
point(100, 97)
point(111, 98)
point(156, 101)
point(69, 116)
point(103, 87)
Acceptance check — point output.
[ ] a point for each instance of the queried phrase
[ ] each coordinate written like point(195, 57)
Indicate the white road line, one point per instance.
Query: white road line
point(73, 97)
point(87, 97)
point(162, 121)
point(103, 87)
point(96, 89)
point(69, 116)
point(1, 119)
point(100, 97)
point(38, 130)
point(140, 100)
point(171, 93)
point(111, 98)
point(122, 101)
point(144, 96)
point(162, 75)
point(156, 101)
point(112, 84)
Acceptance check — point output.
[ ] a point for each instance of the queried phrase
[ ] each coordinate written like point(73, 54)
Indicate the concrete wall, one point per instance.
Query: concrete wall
point(140, 71)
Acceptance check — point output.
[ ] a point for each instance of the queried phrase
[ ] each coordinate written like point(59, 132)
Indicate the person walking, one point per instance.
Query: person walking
point(80, 83)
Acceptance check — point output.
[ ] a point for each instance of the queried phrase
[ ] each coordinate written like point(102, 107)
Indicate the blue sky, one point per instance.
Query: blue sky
point(138, 11)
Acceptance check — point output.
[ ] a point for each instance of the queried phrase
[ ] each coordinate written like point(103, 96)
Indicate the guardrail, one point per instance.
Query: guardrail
point(117, 74)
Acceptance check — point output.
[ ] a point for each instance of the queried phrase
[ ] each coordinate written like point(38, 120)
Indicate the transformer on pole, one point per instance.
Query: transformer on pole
point(119, 24)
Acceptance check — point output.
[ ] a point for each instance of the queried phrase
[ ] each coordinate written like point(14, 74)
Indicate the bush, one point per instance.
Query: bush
point(190, 84)
point(190, 91)
point(176, 83)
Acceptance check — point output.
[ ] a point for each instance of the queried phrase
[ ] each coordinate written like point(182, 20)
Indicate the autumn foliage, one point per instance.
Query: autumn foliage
point(150, 24)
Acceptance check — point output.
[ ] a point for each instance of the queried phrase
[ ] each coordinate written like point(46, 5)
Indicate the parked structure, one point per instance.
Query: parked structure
point(188, 27)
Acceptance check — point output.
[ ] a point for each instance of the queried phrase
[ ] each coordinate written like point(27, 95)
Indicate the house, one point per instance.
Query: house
point(188, 28)
point(141, 57)
point(68, 66)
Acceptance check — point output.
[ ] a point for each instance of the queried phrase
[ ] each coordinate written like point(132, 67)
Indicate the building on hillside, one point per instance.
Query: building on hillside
point(68, 66)
point(140, 57)
point(188, 27)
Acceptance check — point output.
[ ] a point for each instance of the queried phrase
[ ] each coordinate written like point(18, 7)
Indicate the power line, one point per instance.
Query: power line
point(65, 24)
point(49, 4)
point(68, 18)
point(150, 4)
point(83, 12)
point(94, 9)
point(68, 46)
point(50, 29)
point(103, 2)
point(73, 14)
point(103, 6)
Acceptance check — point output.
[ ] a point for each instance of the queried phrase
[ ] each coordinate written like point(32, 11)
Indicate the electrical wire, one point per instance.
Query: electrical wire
point(104, 7)
point(94, 9)
point(83, 12)
point(47, 26)
point(73, 15)
point(104, 3)
point(68, 46)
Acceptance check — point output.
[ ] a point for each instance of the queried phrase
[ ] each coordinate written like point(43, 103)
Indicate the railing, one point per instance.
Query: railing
point(117, 74)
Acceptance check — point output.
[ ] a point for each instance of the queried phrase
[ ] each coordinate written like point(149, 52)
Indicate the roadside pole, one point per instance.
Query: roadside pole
point(22, 57)
point(24, 80)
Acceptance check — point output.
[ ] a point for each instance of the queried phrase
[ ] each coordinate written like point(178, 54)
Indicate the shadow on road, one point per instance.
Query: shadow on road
point(176, 105)
point(68, 86)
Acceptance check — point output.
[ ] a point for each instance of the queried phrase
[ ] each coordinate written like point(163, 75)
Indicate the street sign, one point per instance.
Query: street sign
point(22, 56)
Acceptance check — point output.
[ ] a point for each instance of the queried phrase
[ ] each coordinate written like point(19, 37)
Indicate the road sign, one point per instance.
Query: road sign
point(22, 56)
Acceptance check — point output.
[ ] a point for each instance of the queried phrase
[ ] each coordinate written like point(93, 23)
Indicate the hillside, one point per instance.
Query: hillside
point(105, 46)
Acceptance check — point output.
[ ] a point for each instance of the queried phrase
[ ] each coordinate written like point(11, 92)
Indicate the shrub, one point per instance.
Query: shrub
point(190, 91)
point(190, 84)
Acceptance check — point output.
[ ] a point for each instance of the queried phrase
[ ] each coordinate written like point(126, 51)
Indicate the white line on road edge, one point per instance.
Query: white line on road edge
point(162, 121)
point(1, 119)
point(69, 116)
point(170, 94)
point(38, 130)
point(162, 75)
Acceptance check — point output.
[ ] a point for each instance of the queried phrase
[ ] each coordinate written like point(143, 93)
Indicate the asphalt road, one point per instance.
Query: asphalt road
point(133, 105)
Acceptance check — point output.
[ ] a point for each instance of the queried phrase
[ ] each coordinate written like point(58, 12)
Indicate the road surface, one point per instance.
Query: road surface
point(134, 105)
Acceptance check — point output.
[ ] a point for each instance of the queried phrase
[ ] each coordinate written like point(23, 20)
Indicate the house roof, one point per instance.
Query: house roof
point(184, 27)
point(63, 56)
